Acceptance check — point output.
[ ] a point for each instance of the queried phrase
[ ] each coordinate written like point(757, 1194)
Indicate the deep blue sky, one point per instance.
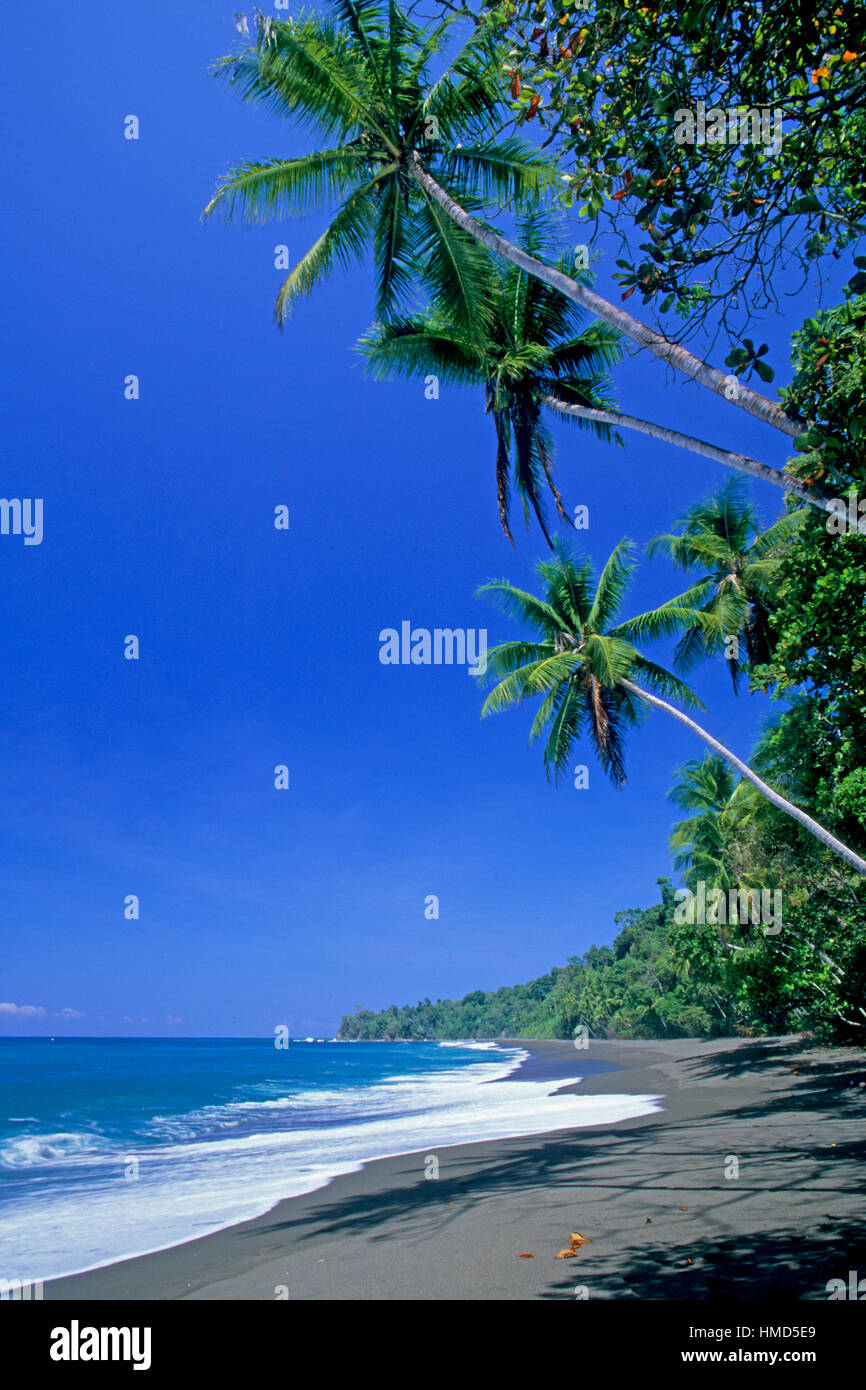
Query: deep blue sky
point(260, 647)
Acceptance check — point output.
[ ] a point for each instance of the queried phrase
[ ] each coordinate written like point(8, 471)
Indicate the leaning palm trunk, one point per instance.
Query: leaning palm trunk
point(742, 462)
point(672, 353)
point(839, 975)
point(745, 771)
point(838, 972)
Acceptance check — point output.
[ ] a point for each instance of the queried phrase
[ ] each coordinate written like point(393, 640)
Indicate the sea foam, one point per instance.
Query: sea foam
point(219, 1164)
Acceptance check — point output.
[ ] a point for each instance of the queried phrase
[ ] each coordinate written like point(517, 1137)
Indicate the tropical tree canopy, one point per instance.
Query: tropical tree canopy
point(583, 657)
point(363, 77)
point(742, 568)
point(417, 156)
point(534, 352)
point(721, 140)
point(698, 842)
point(584, 670)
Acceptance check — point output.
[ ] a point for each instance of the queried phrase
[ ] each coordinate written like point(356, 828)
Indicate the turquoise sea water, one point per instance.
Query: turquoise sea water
point(114, 1147)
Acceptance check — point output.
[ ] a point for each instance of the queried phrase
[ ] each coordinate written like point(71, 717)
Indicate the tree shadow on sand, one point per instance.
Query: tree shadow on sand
point(765, 1267)
point(570, 1171)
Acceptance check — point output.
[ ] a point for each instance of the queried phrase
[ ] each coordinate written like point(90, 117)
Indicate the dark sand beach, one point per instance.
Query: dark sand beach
point(651, 1194)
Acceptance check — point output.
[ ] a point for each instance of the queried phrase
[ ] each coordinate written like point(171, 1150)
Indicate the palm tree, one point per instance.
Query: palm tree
point(365, 81)
point(741, 569)
point(533, 352)
point(699, 842)
point(704, 844)
point(414, 158)
point(585, 667)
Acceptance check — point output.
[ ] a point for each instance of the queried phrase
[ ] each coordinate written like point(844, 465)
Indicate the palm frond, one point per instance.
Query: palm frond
point(536, 678)
point(509, 172)
point(612, 585)
point(343, 242)
point(665, 683)
point(392, 251)
point(466, 97)
point(521, 604)
point(503, 470)
point(781, 533)
point(587, 353)
point(407, 347)
point(308, 70)
point(565, 728)
point(570, 588)
point(258, 190)
point(508, 657)
point(704, 784)
point(453, 267)
point(667, 620)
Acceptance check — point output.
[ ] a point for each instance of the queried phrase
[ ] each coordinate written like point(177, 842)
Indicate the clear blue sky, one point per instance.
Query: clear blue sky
point(259, 647)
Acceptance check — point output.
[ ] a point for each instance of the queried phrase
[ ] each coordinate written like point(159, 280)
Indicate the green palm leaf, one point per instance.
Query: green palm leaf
point(613, 585)
point(362, 76)
point(343, 242)
point(579, 668)
point(521, 604)
point(257, 191)
point(740, 571)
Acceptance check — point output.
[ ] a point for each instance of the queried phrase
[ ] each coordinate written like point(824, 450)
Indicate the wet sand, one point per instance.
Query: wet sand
point(746, 1185)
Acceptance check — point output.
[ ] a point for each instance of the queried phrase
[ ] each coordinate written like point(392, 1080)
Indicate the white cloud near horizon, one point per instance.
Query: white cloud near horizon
point(22, 1010)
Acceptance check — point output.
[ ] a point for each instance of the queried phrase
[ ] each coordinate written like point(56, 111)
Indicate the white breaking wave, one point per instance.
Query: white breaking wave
point(35, 1150)
point(177, 1190)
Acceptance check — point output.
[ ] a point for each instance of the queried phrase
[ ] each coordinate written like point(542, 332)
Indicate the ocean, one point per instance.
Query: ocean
point(117, 1147)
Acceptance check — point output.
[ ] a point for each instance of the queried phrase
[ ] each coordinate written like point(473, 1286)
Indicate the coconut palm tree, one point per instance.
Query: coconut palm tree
point(415, 157)
point(363, 77)
point(585, 667)
point(521, 367)
point(534, 352)
point(741, 570)
point(698, 843)
point(704, 844)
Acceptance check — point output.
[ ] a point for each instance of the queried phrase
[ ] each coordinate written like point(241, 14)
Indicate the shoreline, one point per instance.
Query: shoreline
point(651, 1193)
point(544, 1063)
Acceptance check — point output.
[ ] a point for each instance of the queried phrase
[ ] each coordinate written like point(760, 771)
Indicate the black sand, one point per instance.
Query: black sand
point(651, 1194)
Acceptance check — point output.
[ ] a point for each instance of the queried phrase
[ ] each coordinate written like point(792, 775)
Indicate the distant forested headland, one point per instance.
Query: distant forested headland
point(663, 977)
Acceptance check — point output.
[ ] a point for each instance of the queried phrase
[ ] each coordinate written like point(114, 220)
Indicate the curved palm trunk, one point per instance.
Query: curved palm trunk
point(684, 361)
point(696, 446)
point(745, 771)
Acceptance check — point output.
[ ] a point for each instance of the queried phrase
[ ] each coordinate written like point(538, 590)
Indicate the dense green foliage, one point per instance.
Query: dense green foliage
point(719, 206)
point(819, 623)
point(663, 979)
point(667, 978)
point(534, 346)
point(730, 138)
point(630, 989)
